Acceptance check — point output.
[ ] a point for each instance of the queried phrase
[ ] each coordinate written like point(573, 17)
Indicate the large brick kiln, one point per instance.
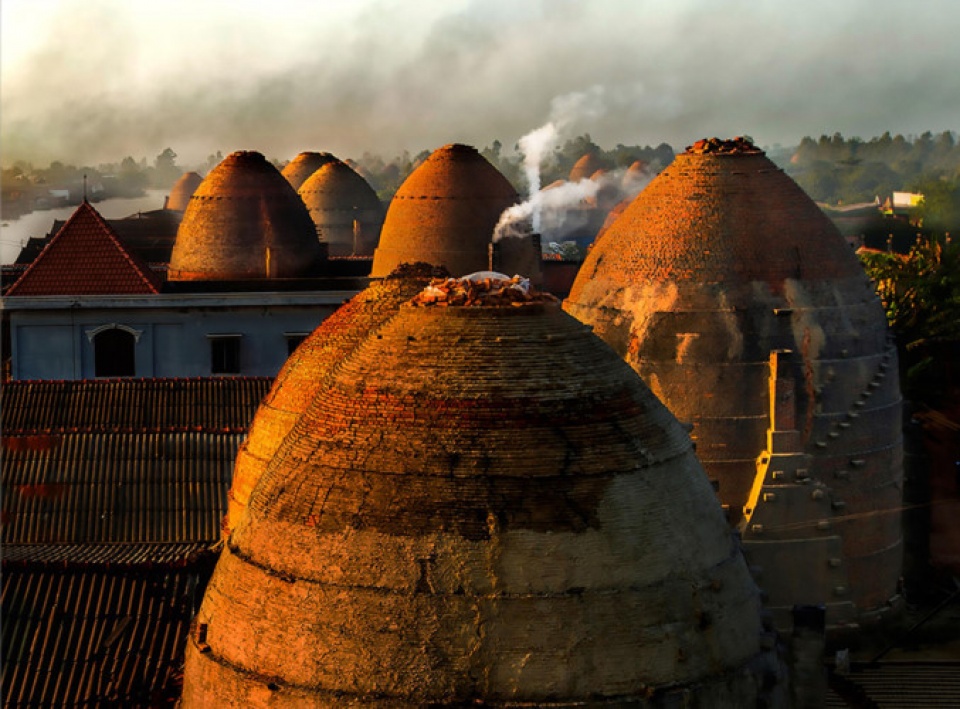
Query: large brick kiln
point(345, 209)
point(741, 306)
point(445, 213)
point(244, 221)
point(482, 504)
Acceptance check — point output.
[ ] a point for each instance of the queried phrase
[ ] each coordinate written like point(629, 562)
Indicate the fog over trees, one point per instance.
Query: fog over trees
point(831, 169)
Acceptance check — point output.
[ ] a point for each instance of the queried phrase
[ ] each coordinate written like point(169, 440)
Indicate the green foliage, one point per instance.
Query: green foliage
point(920, 292)
point(835, 170)
point(940, 208)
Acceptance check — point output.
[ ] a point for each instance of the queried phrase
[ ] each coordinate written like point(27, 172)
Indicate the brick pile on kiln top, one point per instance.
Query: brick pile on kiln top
point(483, 505)
point(345, 209)
point(244, 221)
point(182, 191)
point(305, 164)
point(445, 213)
point(741, 306)
point(303, 373)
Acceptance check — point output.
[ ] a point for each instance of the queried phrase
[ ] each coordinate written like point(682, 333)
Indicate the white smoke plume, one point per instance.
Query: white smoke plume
point(556, 200)
point(535, 146)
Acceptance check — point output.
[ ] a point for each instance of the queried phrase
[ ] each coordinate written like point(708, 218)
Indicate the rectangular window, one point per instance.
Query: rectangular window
point(224, 354)
point(293, 340)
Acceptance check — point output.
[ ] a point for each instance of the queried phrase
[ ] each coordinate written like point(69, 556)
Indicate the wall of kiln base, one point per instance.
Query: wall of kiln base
point(550, 617)
point(224, 686)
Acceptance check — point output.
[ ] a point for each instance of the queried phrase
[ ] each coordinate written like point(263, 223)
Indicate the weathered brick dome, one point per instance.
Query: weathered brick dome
point(483, 505)
point(305, 371)
point(345, 209)
point(445, 213)
point(183, 190)
point(741, 306)
point(244, 221)
point(298, 170)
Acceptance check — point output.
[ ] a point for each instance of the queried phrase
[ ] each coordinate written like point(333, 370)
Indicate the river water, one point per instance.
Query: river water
point(14, 233)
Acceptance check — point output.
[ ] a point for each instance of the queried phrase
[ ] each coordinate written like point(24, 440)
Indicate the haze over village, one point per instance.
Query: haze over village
point(480, 353)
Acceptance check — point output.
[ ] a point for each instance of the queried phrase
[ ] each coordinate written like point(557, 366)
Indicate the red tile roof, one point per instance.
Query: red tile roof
point(86, 257)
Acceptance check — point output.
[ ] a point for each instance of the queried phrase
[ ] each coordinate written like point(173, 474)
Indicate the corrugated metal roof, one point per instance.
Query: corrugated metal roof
point(99, 487)
point(96, 638)
point(898, 685)
point(145, 405)
point(114, 556)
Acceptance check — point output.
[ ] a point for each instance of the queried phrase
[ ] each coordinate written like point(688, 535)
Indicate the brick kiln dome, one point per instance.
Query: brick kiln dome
point(183, 190)
point(483, 505)
point(345, 209)
point(445, 213)
point(586, 166)
point(721, 284)
point(305, 370)
point(244, 221)
point(305, 164)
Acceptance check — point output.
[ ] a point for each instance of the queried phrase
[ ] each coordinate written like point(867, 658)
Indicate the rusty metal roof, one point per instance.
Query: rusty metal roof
point(115, 555)
point(96, 638)
point(121, 487)
point(900, 685)
point(210, 404)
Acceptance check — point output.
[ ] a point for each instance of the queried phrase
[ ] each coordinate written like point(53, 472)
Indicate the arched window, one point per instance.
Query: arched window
point(114, 353)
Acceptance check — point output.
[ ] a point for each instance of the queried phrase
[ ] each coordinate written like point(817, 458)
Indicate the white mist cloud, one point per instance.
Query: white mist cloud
point(93, 80)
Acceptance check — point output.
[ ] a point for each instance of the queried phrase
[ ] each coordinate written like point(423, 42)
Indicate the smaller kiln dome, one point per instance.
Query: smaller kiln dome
point(244, 221)
point(585, 167)
point(444, 213)
point(298, 170)
point(345, 209)
point(183, 190)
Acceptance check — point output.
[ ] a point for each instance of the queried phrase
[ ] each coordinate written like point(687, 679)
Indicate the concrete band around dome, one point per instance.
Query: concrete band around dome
point(481, 504)
point(741, 306)
point(244, 221)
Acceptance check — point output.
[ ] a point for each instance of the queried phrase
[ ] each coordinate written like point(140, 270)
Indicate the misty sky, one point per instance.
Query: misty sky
point(87, 81)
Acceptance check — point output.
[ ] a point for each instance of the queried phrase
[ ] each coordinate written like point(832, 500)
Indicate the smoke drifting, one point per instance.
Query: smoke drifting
point(86, 81)
point(534, 146)
point(560, 209)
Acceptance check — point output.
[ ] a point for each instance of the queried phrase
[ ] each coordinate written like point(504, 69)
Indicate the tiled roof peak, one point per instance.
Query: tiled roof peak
point(86, 257)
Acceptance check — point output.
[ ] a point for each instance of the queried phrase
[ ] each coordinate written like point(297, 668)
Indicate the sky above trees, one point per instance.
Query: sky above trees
point(88, 80)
